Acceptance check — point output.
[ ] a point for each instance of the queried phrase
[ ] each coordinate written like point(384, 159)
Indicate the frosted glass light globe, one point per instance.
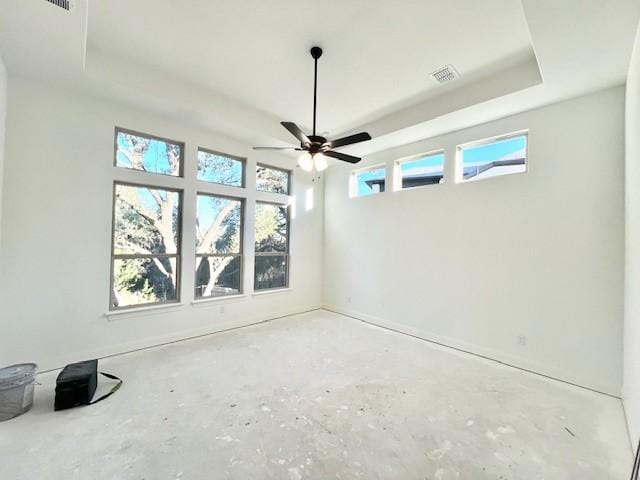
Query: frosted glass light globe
point(306, 161)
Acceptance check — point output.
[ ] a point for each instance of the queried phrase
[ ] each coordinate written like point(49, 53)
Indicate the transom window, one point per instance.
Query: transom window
point(493, 157)
point(215, 167)
point(271, 246)
point(145, 254)
point(272, 179)
point(148, 153)
point(219, 227)
point(420, 170)
point(367, 181)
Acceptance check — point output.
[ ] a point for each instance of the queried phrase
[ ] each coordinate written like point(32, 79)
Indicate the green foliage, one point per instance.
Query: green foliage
point(271, 227)
point(132, 284)
point(272, 180)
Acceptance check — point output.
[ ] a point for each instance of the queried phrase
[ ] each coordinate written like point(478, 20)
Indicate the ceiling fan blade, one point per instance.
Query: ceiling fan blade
point(342, 156)
point(296, 132)
point(277, 148)
point(358, 137)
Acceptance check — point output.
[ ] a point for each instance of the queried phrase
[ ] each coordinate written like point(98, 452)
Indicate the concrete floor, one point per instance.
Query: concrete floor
point(319, 396)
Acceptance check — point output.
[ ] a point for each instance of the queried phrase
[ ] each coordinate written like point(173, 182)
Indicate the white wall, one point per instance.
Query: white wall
point(631, 391)
point(55, 257)
point(475, 265)
point(3, 111)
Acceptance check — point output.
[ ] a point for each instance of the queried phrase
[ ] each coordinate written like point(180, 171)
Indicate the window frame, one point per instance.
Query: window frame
point(177, 255)
point(459, 167)
point(242, 160)
point(150, 137)
point(240, 253)
point(353, 182)
point(289, 178)
point(397, 170)
point(286, 254)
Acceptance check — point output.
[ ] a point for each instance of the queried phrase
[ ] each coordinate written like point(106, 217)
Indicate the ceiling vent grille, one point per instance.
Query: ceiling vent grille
point(66, 4)
point(445, 74)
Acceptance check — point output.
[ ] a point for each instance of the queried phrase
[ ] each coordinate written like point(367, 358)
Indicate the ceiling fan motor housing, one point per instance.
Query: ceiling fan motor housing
point(318, 144)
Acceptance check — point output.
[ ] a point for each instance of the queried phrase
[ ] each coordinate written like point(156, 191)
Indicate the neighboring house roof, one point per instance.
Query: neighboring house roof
point(416, 179)
point(475, 170)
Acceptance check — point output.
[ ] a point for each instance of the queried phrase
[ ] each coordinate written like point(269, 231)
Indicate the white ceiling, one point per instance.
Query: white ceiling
point(377, 55)
point(242, 67)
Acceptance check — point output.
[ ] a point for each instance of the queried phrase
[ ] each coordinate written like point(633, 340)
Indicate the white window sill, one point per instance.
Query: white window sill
point(272, 290)
point(142, 311)
point(203, 302)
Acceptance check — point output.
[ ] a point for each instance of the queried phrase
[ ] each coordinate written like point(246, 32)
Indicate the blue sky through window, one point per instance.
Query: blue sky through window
point(217, 168)
point(361, 178)
point(208, 209)
point(155, 158)
point(500, 150)
point(430, 163)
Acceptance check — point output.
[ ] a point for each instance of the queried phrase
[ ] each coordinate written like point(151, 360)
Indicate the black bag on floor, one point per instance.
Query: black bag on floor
point(77, 383)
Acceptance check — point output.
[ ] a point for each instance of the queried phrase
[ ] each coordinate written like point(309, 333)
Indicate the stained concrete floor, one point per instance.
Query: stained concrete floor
point(318, 396)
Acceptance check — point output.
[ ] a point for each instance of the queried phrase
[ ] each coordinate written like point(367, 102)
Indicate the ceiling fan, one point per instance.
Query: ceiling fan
point(315, 147)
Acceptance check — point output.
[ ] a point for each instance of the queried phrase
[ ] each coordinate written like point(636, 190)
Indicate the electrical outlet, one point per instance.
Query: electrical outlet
point(522, 340)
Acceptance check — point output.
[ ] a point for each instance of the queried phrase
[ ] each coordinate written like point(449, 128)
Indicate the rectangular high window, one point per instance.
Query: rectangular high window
point(419, 170)
point(145, 254)
point(215, 167)
point(493, 157)
point(219, 227)
point(367, 181)
point(148, 153)
point(271, 246)
point(272, 179)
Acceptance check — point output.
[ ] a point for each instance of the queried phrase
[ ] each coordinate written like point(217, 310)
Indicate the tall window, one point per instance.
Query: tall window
point(148, 153)
point(491, 158)
point(271, 246)
point(221, 168)
point(367, 181)
point(218, 246)
point(420, 170)
point(272, 179)
point(145, 255)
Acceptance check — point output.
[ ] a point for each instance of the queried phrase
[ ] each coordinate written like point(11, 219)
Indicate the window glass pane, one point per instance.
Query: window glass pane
point(147, 154)
point(426, 170)
point(270, 272)
point(218, 276)
point(146, 220)
point(218, 168)
point(140, 281)
point(272, 228)
point(368, 182)
point(491, 159)
point(218, 225)
point(272, 180)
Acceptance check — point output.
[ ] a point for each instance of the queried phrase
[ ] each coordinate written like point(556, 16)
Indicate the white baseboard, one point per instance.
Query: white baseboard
point(521, 363)
point(58, 362)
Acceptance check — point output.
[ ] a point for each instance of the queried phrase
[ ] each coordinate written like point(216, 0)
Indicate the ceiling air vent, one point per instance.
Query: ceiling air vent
point(445, 74)
point(66, 4)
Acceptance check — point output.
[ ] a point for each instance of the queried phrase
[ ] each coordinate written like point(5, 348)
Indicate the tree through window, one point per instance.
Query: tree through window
point(215, 167)
point(271, 246)
point(218, 246)
point(146, 245)
point(148, 153)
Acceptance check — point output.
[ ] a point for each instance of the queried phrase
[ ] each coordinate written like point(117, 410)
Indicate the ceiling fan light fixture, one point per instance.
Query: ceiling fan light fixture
point(317, 147)
point(320, 162)
point(305, 162)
